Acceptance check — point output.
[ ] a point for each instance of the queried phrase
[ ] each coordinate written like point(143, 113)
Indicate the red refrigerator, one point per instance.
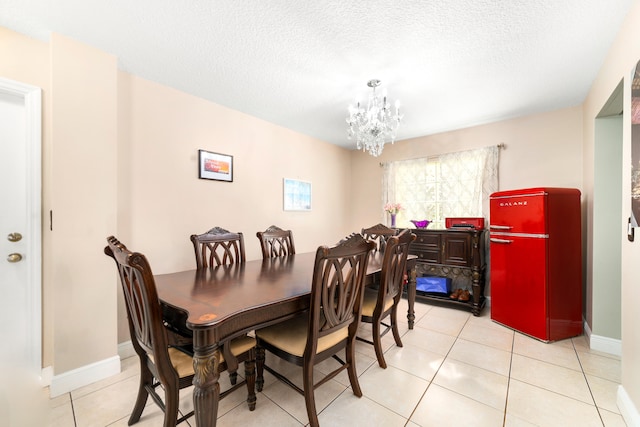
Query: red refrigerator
point(536, 261)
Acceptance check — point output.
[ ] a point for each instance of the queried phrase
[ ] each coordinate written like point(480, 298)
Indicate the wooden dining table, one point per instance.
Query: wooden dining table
point(220, 303)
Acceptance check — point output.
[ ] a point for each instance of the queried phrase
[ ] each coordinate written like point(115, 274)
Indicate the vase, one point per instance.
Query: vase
point(393, 220)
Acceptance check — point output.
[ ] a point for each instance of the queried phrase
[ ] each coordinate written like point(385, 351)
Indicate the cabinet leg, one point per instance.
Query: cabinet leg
point(411, 294)
point(477, 290)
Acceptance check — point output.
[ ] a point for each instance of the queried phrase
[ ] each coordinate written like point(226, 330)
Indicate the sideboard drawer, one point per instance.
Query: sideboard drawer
point(425, 253)
point(427, 241)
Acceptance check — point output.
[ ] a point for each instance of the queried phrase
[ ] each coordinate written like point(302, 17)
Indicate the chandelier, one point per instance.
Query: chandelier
point(373, 125)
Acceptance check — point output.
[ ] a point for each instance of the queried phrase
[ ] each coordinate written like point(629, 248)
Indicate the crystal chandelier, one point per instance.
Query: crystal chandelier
point(373, 125)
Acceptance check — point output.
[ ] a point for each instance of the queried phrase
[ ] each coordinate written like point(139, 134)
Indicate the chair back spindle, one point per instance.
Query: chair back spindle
point(218, 247)
point(276, 242)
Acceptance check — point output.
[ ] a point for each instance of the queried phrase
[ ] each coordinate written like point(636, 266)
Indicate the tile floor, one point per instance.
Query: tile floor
point(454, 370)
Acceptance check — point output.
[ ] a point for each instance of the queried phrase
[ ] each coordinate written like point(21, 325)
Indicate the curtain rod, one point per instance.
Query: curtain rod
point(501, 146)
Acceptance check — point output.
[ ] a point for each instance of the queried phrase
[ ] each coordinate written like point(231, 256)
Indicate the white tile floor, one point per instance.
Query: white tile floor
point(454, 370)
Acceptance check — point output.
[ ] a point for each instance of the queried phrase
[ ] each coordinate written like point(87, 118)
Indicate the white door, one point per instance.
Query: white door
point(20, 220)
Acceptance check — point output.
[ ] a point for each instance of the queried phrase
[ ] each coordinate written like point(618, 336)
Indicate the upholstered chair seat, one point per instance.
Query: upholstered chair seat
point(371, 300)
point(291, 336)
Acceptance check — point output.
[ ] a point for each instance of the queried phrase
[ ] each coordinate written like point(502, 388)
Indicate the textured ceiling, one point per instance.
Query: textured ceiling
point(299, 64)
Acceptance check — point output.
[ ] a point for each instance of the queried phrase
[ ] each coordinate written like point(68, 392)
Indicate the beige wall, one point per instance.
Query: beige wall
point(120, 157)
point(619, 64)
point(161, 201)
point(541, 150)
point(83, 158)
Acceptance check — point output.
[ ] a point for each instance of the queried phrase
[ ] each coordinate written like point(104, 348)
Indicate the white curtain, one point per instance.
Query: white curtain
point(450, 185)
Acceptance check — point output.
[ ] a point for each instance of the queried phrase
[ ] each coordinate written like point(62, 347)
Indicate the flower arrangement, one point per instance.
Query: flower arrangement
point(393, 208)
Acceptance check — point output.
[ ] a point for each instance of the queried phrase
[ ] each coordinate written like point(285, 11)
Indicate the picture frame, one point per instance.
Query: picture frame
point(215, 166)
point(296, 195)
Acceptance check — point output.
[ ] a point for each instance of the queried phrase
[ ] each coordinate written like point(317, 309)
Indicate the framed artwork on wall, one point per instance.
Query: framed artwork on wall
point(296, 195)
point(215, 166)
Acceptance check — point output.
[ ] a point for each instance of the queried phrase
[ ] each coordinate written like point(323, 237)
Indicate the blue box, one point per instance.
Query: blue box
point(436, 284)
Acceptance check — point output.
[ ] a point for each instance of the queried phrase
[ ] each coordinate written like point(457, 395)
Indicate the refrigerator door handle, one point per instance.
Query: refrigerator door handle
point(494, 240)
point(500, 227)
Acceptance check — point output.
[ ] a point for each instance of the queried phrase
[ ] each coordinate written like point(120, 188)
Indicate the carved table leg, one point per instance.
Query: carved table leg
point(206, 393)
point(411, 293)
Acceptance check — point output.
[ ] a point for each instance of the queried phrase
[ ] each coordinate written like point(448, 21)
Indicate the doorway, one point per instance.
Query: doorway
point(20, 227)
point(604, 304)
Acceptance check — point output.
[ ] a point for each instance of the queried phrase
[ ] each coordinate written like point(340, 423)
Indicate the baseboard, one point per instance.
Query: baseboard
point(85, 375)
point(627, 409)
point(125, 350)
point(606, 345)
point(603, 344)
point(586, 328)
point(46, 376)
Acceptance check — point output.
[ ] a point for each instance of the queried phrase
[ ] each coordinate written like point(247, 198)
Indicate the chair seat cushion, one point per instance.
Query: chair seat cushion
point(370, 301)
point(241, 345)
point(291, 336)
point(183, 362)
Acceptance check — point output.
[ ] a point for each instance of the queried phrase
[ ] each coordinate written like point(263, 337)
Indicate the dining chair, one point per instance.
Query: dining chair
point(218, 247)
point(382, 303)
point(276, 242)
point(162, 364)
point(215, 248)
point(379, 233)
point(328, 326)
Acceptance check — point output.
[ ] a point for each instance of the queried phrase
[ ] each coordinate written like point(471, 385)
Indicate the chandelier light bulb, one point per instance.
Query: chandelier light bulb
point(376, 124)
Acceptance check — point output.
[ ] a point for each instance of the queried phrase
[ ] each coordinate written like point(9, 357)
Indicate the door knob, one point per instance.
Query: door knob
point(14, 237)
point(14, 257)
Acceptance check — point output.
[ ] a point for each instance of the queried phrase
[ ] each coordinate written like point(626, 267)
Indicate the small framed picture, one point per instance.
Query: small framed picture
point(215, 166)
point(297, 195)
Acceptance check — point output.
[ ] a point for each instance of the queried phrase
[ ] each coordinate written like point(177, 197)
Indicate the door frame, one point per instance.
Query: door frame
point(32, 96)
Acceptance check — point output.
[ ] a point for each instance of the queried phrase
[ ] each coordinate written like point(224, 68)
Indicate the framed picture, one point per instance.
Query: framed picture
point(297, 195)
point(215, 166)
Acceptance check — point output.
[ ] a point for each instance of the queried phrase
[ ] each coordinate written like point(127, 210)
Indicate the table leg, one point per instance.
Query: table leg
point(411, 293)
point(206, 393)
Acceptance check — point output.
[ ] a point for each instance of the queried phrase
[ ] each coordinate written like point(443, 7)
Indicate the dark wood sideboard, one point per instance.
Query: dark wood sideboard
point(454, 253)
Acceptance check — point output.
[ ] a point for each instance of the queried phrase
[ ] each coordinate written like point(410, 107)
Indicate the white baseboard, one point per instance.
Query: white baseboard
point(46, 376)
point(85, 375)
point(603, 344)
point(606, 345)
point(627, 409)
point(586, 328)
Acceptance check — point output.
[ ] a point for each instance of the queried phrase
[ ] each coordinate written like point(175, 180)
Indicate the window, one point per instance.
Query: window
point(449, 185)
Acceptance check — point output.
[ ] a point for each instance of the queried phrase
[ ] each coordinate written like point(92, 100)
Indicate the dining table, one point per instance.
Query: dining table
point(220, 303)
